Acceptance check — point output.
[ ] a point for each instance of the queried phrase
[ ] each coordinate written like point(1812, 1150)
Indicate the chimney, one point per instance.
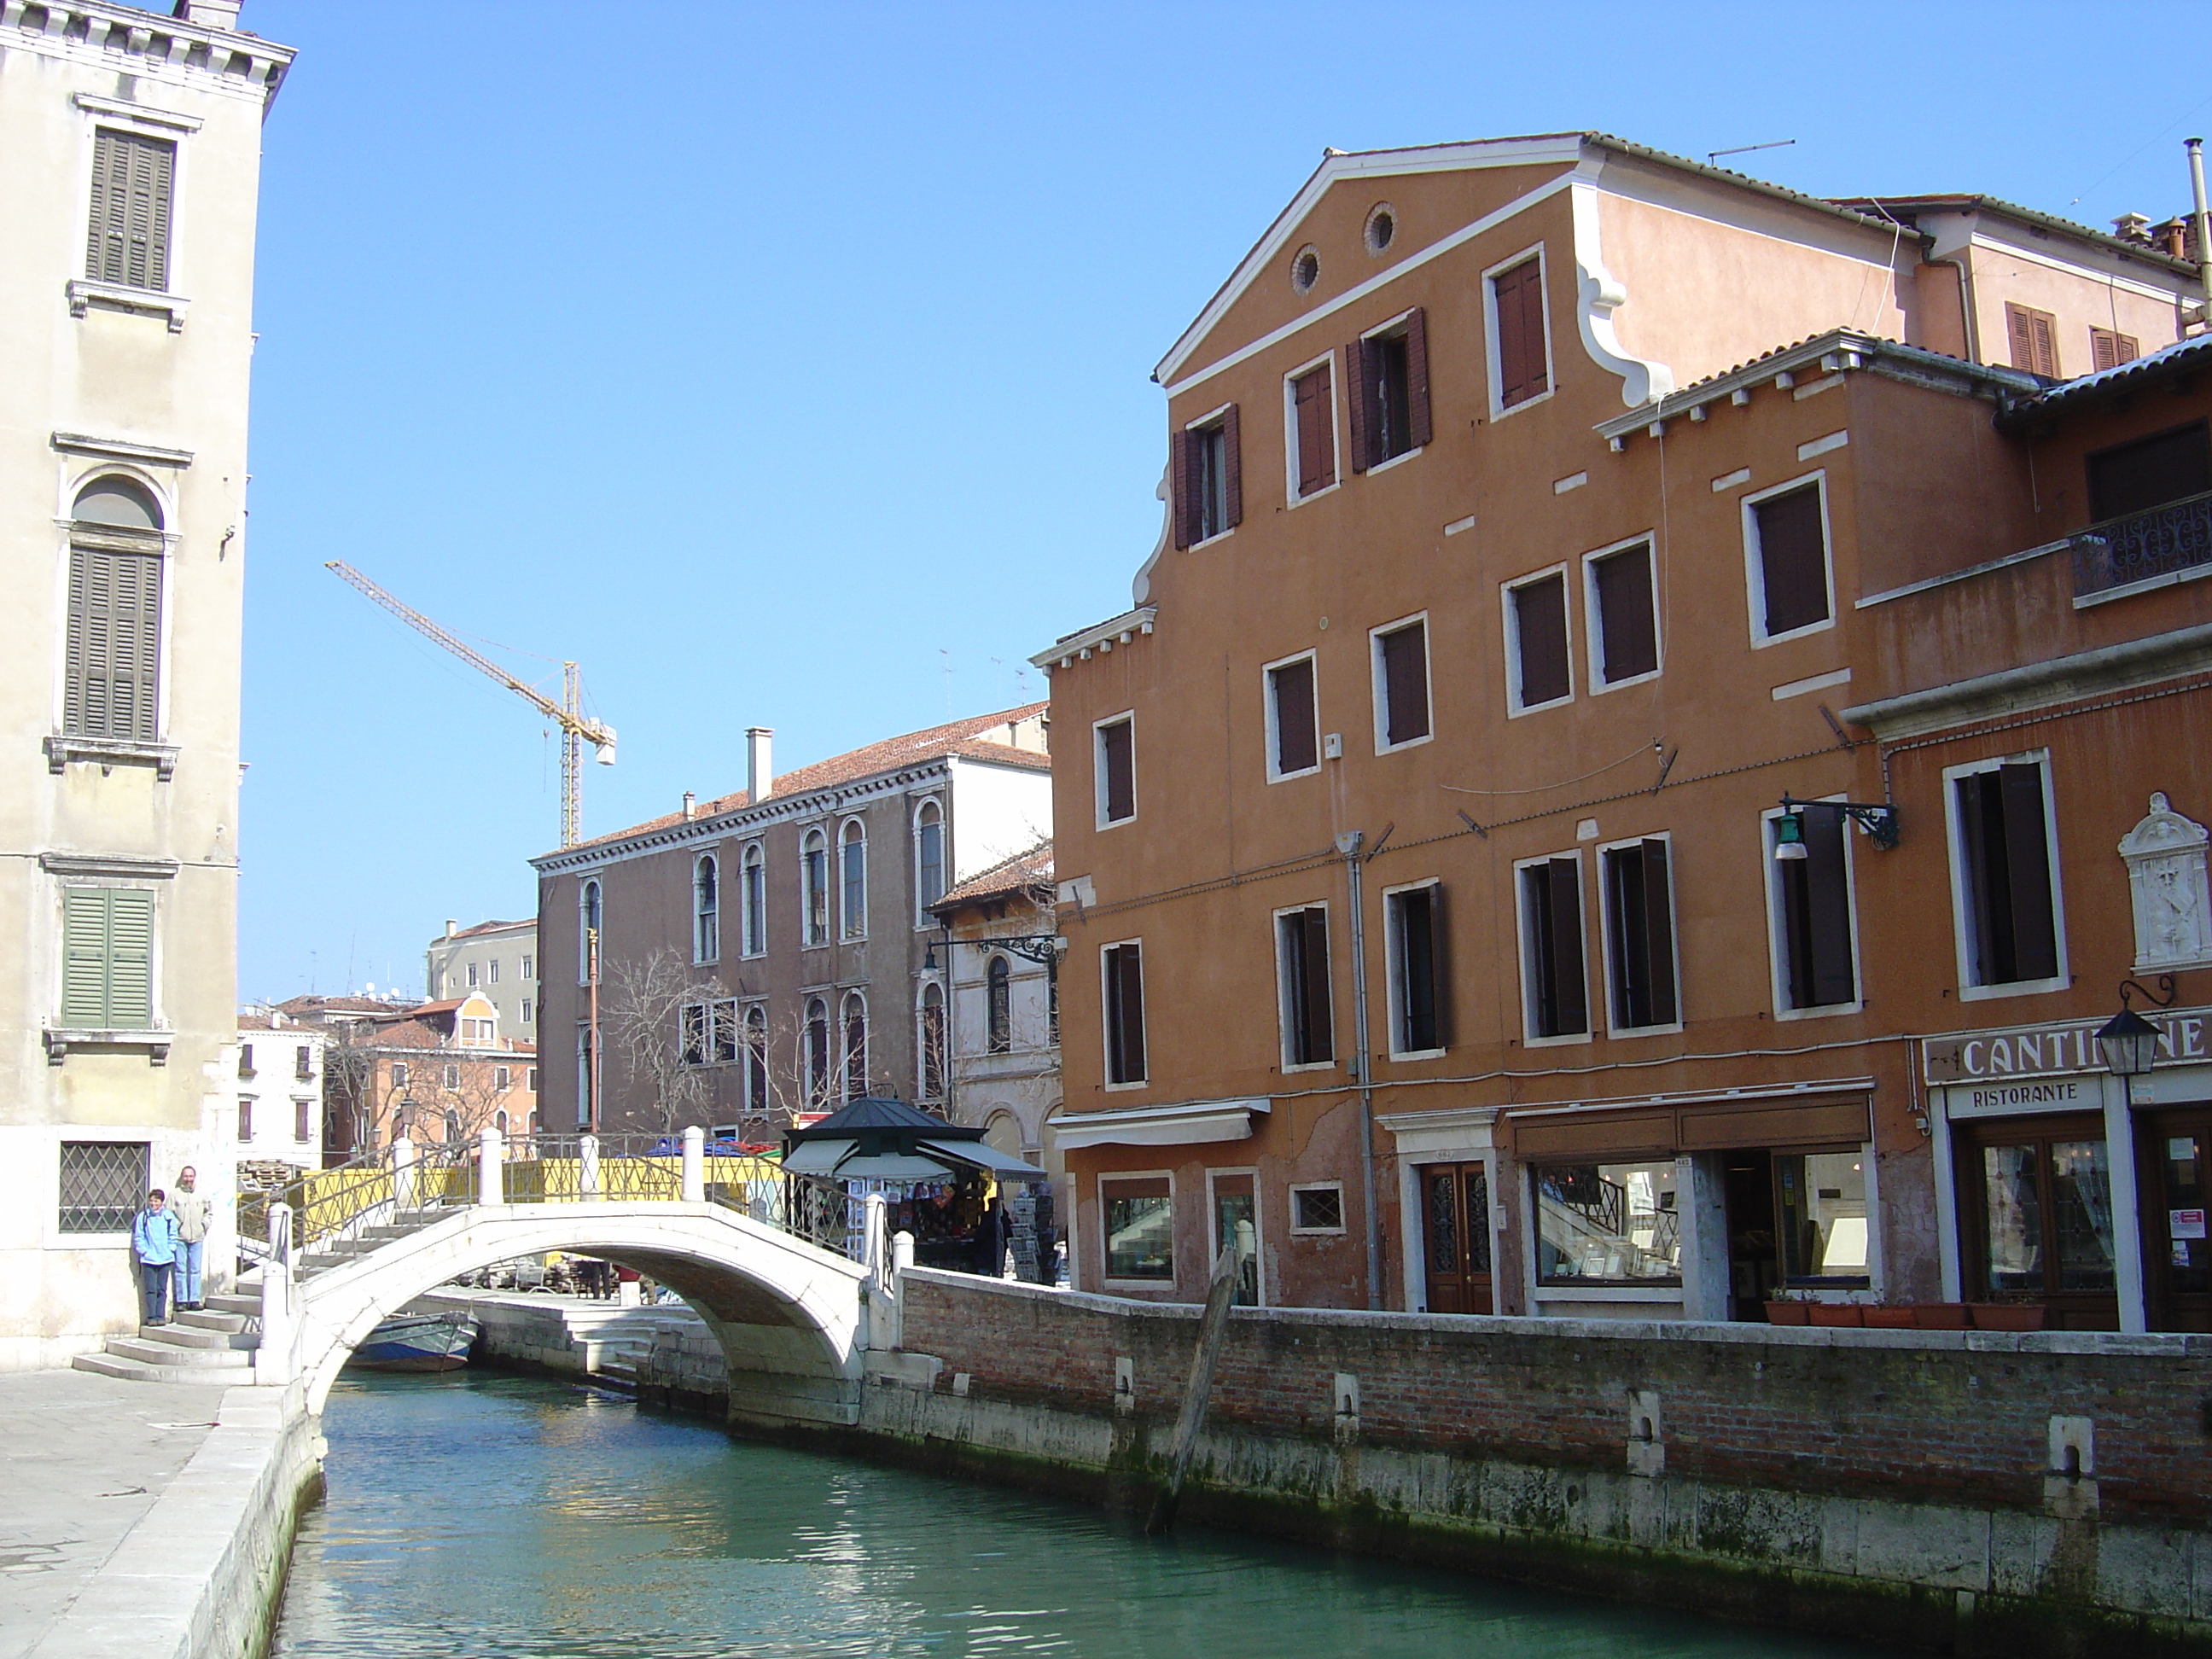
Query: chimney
point(690, 806)
point(452, 925)
point(208, 14)
point(760, 782)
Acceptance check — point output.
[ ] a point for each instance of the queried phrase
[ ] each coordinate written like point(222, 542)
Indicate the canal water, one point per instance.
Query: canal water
point(479, 1517)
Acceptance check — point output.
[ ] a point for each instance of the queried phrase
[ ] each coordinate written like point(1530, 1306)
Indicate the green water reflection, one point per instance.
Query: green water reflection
point(485, 1517)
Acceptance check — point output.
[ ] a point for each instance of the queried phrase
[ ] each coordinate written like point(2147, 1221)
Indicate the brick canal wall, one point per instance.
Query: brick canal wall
point(1963, 1491)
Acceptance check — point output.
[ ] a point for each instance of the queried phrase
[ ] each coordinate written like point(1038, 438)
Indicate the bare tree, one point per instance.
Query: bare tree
point(647, 1016)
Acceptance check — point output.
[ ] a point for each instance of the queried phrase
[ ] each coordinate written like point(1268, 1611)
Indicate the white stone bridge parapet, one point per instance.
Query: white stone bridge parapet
point(794, 1317)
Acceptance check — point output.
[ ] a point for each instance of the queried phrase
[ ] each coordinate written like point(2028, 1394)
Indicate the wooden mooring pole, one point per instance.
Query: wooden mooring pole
point(1220, 1295)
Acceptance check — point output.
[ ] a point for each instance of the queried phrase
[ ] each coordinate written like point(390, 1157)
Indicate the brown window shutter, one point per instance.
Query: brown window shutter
point(1816, 898)
point(1406, 683)
point(1295, 744)
point(1179, 490)
point(1658, 934)
point(2046, 343)
point(1518, 297)
point(1417, 429)
point(1563, 900)
point(2027, 871)
point(2125, 349)
point(1439, 968)
point(1359, 370)
point(1116, 754)
point(1793, 559)
point(1312, 408)
point(1629, 631)
point(2103, 350)
point(2019, 334)
point(1232, 470)
point(1540, 627)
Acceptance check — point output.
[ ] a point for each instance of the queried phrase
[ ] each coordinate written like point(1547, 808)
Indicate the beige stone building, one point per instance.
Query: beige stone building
point(133, 143)
point(495, 960)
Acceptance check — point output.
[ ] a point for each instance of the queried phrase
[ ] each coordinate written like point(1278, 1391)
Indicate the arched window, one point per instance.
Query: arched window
point(999, 1006)
point(588, 920)
point(756, 1058)
point(853, 880)
point(752, 900)
point(856, 1046)
point(707, 908)
point(452, 1127)
point(814, 886)
point(113, 636)
point(929, 1044)
point(817, 1053)
point(499, 1122)
point(928, 858)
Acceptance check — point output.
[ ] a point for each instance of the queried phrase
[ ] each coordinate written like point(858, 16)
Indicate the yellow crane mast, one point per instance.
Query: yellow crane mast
point(577, 728)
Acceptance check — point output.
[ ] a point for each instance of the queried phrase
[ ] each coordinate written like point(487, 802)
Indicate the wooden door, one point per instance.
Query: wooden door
point(2174, 1166)
point(1456, 1211)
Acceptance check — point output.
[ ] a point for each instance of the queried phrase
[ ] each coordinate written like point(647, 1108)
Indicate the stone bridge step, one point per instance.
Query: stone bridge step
point(203, 1362)
point(211, 1318)
point(111, 1365)
point(198, 1336)
point(244, 1307)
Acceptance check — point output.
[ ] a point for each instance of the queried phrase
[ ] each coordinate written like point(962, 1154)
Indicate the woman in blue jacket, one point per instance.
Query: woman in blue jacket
point(153, 1244)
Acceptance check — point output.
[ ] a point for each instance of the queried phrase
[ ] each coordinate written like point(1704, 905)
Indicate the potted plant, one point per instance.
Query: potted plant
point(1835, 1313)
point(2009, 1316)
point(1940, 1315)
point(1891, 1316)
point(1786, 1308)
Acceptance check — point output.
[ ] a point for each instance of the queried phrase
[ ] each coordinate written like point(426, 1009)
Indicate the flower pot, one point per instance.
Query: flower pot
point(1890, 1318)
point(1940, 1315)
point(2009, 1316)
point(1785, 1313)
point(1834, 1313)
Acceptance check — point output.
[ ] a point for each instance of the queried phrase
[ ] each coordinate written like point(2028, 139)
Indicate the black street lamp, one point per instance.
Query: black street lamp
point(2128, 1042)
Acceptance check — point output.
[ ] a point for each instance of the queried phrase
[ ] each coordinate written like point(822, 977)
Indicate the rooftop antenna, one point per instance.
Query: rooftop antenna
point(1714, 156)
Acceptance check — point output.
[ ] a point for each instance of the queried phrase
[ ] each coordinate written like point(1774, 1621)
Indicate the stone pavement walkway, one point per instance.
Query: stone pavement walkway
point(81, 1460)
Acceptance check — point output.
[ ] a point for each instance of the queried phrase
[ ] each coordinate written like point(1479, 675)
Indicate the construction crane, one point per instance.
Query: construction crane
point(577, 728)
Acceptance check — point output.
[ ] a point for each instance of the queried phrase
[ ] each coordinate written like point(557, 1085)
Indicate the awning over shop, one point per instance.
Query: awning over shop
point(984, 1155)
point(1191, 1123)
point(892, 1166)
point(817, 1156)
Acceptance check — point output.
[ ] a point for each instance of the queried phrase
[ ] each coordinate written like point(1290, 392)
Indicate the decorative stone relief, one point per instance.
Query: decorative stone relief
point(2164, 855)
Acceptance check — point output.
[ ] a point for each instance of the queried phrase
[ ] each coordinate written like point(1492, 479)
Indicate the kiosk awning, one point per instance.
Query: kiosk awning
point(985, 1156)
point(817, 1156)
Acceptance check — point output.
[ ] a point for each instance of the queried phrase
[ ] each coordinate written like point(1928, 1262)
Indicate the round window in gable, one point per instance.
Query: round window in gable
point(1382, 227)
point(1305, 270)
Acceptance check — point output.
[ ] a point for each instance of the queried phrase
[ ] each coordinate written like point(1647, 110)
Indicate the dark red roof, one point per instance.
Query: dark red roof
point(1025, 872)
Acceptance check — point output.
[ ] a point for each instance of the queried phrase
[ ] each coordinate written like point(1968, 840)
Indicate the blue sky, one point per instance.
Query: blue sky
point(789, 366)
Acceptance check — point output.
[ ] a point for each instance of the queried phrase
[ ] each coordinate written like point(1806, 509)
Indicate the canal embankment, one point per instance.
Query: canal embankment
point(1973, 1493)
point(152, 1521)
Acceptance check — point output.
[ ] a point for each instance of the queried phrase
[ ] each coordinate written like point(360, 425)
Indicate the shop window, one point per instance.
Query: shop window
point(1640, 930)
point(1812, 902)
point(1302, 965)
point(1139, 1228)
point(2007, 901)
point(1123, 970)
point(1318, 1208)
point(1235, 1205)
point(2037, 1217)
point(1553, 991)
point(1821, 1213)
point(1414, 920)
point(1608, 1223)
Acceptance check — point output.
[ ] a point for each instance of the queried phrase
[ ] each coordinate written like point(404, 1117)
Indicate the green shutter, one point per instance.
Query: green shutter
point(130, 959)
point(127, 237)
point(84, 958)
point(113, 644)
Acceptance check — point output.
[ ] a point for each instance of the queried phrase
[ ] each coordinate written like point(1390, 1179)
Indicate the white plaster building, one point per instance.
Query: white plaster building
point(495, 960)
point(133, 143)
point(276, 1115)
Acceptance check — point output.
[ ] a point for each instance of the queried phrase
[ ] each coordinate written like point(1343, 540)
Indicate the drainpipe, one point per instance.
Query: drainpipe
point(1348, 845)
point(2196, 148)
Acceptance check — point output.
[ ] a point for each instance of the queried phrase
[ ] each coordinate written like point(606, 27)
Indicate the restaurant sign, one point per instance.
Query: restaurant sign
point(2054, 1050)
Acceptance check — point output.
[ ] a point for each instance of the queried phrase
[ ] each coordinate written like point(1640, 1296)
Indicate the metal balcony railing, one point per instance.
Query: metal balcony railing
point(2140, 547)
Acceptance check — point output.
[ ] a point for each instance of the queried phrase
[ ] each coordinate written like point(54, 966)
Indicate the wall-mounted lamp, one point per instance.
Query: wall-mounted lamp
point(1877, 821)
point(1041, 948)
point(2128, 1042)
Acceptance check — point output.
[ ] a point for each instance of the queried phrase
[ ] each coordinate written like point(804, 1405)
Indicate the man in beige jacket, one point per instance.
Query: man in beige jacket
point(190, 1209)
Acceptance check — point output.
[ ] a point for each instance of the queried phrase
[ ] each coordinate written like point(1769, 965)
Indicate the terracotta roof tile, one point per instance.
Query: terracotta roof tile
point(1023, 873)
point(962, 738)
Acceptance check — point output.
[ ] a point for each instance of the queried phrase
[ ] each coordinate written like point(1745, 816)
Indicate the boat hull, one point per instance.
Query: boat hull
point(418, 1342)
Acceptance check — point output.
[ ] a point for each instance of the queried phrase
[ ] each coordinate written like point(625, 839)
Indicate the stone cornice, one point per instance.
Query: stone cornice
point(1101, 638)
point(168, 49)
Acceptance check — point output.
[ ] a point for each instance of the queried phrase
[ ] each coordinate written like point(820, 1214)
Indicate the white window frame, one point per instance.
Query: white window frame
point(921, 990)
point(1605, 935)
point(1292, 498)
point(174, 127)
point(1343, 1215)
point(1105, 1023)
point(1594, 616)
point(745, 1057)
point(841, 1052)
point(1216, 1244)
point(1105, 1256)
point(1754, 570)
point(1380, 332)
point(918, 821)
point(1394, 983)
point(846, 928)
point(1777, 935)
point(1509, 619)
point(698, 911)
point(819, 827)
point(753, 855)
point(1099, 768)
point(1527, 942)
point(1268, 715)
point(1217, 417)
point(1283, 990)
point(529, 1008)
point(469, 974)
point(583, 928)
point(1493, 378)
point(1377, 688)
point(1961, 924)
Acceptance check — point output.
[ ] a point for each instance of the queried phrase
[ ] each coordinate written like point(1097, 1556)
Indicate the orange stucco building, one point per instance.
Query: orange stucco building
point(1543, 515)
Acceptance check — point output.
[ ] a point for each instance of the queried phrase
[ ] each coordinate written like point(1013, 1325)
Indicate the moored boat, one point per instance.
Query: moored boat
point(418, 1342)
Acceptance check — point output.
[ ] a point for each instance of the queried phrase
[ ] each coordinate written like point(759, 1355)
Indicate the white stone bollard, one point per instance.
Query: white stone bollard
point(490, 1169)
point(403, 1174)
point(876, 1248)
point(587, 1166)
point(273, 1358)
point(901, 1252)
point(695, 1165)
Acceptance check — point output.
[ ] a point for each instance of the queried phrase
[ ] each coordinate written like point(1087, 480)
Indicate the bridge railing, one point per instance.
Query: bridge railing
point(368, 1190)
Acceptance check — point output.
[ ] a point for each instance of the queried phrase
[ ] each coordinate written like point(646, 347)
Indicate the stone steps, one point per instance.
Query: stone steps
point(134, 1370)
point(211, 1318)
